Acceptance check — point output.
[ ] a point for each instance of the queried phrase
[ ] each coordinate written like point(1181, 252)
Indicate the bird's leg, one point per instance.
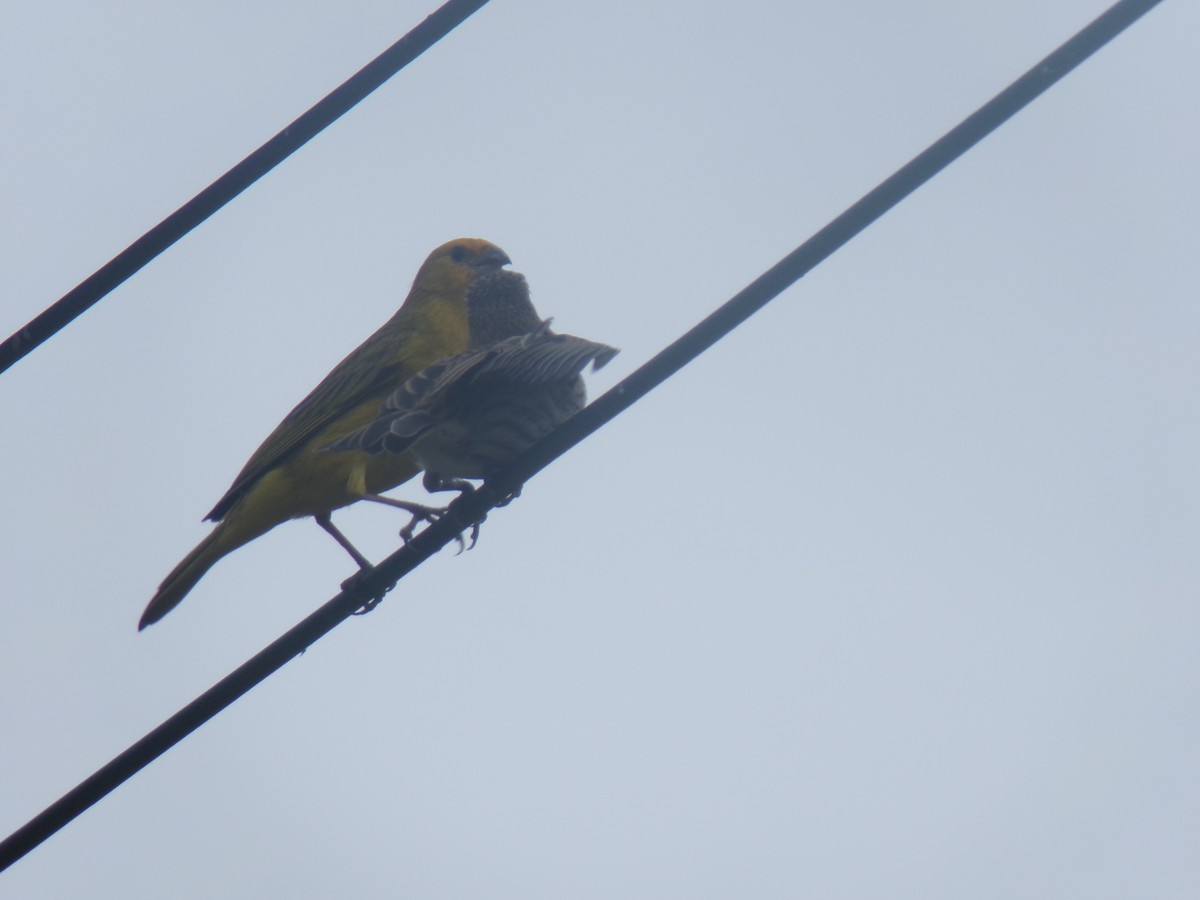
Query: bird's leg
point(326, 522)
point(420, 513)
point(429, 513)
point(369, 602)
point(438, 483)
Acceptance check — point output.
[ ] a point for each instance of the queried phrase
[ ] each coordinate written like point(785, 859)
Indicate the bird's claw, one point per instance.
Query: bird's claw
point(368, 599)
point(428, 514)
point(512, 495)
point(463, 545)
point(432, 514)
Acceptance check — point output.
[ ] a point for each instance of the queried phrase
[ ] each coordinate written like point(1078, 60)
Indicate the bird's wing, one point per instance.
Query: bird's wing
point(406, 414)
point(366, 371)
point(542, 357)
point(536, 358)
point(419, 404)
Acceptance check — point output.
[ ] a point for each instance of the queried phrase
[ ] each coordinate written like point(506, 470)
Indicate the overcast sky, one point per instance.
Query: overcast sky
point(894, 593)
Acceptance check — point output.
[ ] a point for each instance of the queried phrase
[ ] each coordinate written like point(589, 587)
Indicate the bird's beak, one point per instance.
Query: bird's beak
point(492, 259)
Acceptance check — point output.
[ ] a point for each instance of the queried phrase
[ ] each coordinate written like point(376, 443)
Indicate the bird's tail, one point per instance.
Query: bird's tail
point(185, 575)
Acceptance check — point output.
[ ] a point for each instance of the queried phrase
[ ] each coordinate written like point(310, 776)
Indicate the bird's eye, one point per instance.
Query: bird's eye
point(458, 253)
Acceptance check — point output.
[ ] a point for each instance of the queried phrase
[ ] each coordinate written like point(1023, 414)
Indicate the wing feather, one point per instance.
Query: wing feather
point(538, 358)
point(364, 372)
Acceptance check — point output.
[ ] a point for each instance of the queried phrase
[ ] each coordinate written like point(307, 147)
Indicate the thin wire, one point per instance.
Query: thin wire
point(825, 242)
point(471, 508)
point(126, 263)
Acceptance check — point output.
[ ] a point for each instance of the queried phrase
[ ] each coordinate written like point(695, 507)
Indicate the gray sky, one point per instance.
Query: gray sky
point(892, 594)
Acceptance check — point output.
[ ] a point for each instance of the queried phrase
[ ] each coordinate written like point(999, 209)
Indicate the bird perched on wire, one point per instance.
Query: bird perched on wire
point(467, 415)
point(290, 476)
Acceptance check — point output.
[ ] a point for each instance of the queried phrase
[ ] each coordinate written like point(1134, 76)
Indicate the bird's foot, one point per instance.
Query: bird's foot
point(368, 599)
point(435, 483)
point(462, 545)
point(420, 514)
point(433, 514)
point(513, 495)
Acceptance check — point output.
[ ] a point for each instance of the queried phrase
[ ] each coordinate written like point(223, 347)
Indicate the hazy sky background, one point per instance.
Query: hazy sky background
point(892, 594)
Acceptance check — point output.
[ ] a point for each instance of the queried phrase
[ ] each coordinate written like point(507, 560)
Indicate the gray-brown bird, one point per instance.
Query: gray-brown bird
point(467, 415)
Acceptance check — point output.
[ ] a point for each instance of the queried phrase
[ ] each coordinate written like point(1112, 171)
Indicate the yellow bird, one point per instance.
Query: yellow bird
point(468, 415)
point(291, 475)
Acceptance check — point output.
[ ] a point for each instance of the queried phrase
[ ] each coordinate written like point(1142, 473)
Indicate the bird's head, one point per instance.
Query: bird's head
point(453, 266)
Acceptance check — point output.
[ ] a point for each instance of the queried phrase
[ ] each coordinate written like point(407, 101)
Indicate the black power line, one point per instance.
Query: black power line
point(126, 263)
point(472, 508)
